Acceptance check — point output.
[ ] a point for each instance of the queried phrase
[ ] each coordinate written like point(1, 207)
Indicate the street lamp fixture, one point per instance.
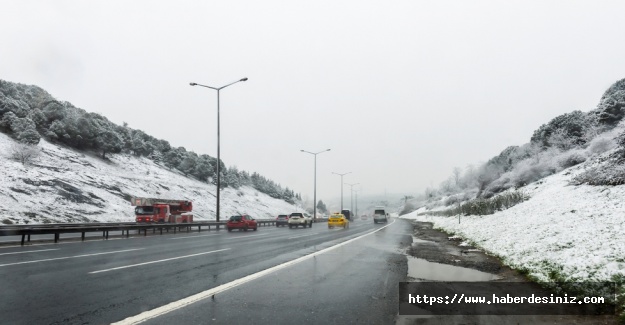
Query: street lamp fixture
point(315, 188)
point(218, 151)
point(341, 186)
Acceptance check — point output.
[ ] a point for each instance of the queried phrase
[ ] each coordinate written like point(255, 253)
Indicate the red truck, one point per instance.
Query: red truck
point(162, 210)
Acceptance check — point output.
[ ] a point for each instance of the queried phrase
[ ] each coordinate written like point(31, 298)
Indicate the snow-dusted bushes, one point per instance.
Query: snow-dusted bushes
point(606, 174)
point(24, 153)
point(611, 169)
point(600, 145)
point(571, 158)
point(484, 206)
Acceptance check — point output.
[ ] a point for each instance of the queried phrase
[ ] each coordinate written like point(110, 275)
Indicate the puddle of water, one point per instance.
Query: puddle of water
point(419, 268)
point(419, 240)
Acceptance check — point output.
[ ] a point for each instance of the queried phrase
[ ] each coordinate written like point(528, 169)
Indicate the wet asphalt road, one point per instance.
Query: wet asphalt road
point(104, 281)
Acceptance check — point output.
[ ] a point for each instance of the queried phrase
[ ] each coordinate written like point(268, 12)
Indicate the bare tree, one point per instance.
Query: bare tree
point(457, 173)
point(24, 153)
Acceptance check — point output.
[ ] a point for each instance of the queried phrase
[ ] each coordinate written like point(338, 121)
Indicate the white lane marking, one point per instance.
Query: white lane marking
point(68, 257)
point(95, 239)
point(245, 236)
point(196, 236)
point(147, 315)
point(40, 250)
point(158, 261)
point(303, 236)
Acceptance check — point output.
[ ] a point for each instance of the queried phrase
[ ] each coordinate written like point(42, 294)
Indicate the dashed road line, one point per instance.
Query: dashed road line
point(39, 250)
point(69, 257)
point(158, 261)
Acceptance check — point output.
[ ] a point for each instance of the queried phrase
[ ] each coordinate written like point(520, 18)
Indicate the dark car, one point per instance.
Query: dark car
point(244, 222)
point(282, 220)
point(347, 214)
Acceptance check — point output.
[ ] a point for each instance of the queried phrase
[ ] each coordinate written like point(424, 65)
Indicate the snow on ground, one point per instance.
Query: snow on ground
point(563, 232)
point(64, 185)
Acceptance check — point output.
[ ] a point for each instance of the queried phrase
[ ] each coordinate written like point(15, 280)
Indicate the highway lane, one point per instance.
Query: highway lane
point(355, 283)
point(69, 283)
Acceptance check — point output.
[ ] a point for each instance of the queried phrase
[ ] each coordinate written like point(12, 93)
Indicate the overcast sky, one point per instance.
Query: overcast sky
point(401, 91)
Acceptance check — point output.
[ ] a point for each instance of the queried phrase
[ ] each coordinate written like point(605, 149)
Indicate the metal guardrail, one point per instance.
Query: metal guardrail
point(57, 229)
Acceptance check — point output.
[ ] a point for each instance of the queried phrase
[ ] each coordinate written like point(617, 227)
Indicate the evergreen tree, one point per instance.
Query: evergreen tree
point(109, 141)
point(321, 207)
point(203, 169)
point(7, 120)
point(188, 163)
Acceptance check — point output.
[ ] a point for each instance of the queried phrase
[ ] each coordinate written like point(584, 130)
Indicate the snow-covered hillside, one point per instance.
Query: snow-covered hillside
point(563, 232)
point(64, 185)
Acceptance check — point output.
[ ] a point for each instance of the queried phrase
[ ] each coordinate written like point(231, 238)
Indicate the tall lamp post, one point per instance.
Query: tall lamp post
point(218, 153)
point(315, 190)
point(351, 196)
point(341, 186)
point(356, 193)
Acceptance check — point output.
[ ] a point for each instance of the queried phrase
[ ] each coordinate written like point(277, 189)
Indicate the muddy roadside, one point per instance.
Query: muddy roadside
point(437, 256)
point(436, 246)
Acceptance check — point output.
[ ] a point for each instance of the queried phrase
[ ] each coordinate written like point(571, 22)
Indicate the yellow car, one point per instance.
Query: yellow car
point(338, 220)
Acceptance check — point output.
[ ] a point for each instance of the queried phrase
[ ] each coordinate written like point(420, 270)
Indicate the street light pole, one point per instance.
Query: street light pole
point(341, 186)
point(315, 181)
point(356, 193)
point(351, 196)
point(218, 133)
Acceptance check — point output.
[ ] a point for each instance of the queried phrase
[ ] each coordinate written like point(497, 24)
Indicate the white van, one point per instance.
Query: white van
point(380, 215)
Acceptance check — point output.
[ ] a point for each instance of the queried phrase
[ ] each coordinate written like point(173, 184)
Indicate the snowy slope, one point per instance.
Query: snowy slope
point(64, 185)
point(563, 232)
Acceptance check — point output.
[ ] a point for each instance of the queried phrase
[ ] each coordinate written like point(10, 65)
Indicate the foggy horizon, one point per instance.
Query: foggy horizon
point(400, 92)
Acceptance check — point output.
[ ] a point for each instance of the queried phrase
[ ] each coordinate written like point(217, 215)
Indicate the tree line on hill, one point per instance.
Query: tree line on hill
point(565, 141)
point(28, 113)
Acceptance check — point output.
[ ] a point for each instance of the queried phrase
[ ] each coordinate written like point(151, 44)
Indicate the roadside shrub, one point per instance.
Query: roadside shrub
point(484, 206)
point(408, 207)
point(571, 158)
point(600, 145)
point(454, 199)
point(612, 174)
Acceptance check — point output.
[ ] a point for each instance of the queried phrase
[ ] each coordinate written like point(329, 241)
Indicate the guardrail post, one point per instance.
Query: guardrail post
point(29, 238)
point(145, 231)
point(23, 236)
point(82, 237)
point(107, 235)
point(199, 228)
point(161, 230)
point(56, 237)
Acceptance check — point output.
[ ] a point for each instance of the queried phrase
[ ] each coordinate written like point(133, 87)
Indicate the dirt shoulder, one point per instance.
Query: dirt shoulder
point(436, 246)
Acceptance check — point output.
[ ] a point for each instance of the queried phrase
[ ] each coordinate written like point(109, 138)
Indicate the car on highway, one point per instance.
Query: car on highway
point(282, 220)
point(348, 214)
point(364, 217)
point(380, 215)
point(244, 222)
point(338, 220)
point(297, 219)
